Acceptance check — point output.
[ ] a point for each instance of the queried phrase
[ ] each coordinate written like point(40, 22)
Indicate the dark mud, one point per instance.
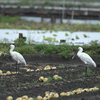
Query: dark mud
point(27, 83)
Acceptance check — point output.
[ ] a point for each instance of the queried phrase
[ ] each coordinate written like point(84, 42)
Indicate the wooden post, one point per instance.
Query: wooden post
point(61, 20)
point(52, 19)
point(20, 35)
point(62, 41)
point(42, 18)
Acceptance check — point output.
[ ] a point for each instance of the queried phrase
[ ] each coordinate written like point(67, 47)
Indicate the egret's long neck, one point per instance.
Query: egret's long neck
point(80, 51)
point(11, 50)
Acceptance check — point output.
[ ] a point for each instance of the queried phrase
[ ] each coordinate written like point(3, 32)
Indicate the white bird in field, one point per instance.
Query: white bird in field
point(17, 57)
point(85, 58)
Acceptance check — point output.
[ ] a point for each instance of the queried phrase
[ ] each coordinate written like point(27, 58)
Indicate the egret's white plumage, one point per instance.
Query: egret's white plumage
point(85, 57)
point(16, 56)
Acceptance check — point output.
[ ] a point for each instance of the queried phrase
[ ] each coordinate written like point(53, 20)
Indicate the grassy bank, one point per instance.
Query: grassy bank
point(7, 22)
point(53, 3)
point(63, 49)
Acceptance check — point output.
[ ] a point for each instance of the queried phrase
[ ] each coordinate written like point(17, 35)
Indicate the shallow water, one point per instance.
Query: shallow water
point(48, 20)
point(9, 35)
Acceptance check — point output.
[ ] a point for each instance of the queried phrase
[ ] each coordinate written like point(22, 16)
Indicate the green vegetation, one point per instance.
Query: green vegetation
point(66, 76)
point(35, 81)
point(7, 22)
point(59, 78)
point(52, 49)
point(62, 49)
point(85, 35)
point(81, 75)
point(77, 37)
point(93, 48)
point(19, 42)
point(23, 84)
point(89, 73)
point(34, 98)
point(70, 75)
point(99, 77)
point(26, 49)
point(49, 39)
point(49, 79)
point(53, 3)
point(66, 34)
point(54, 35)
point(2, 85)
point(63, 66)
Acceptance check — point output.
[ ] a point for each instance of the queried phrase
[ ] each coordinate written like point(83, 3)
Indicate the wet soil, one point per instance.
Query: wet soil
point(27, 82)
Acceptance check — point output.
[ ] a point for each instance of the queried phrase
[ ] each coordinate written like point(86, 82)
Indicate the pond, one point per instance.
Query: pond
point(43, 36)
point(58, 20)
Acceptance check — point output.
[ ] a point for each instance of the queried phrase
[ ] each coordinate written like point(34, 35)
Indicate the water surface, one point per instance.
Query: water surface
point(36, 36)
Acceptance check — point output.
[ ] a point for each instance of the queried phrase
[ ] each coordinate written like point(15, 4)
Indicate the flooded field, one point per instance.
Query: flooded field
point(42, 36)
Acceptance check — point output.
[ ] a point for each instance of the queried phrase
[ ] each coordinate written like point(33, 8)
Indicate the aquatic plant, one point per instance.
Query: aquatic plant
point(66, 34)
point(7, 33)
point(54, 35)
point(77, 37)
point(49, 39)
point(72, 38)
point(84, 35)
point(54, 40)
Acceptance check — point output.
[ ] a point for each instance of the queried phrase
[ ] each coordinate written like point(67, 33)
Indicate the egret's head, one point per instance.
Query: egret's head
point(80, 49)
point(12, 46)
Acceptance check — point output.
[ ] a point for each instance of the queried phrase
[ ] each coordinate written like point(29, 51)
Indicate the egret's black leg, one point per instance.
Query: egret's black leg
point(86, 72)
point(16, 68)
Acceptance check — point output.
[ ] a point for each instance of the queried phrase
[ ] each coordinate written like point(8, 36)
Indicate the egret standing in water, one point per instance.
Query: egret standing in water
point(17, 57)
point(85, 58)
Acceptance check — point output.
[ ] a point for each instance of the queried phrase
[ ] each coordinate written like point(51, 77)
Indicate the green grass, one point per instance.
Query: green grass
point(7, 22)
point(70, 75)
point(89, 73)
point(32, 3)
point(99, 77)
point(49, 79)
point(66, 76)
point(34, 98)
point(81, 75)
point(52, 49)
point(63, 49)
point(59, 78)
point(35, 81)
point(63, 66)
point(2, 85)
point(23, 84)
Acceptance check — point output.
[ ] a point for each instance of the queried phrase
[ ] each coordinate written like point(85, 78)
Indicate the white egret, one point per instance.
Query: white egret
point(85, 58)
point(17, 57)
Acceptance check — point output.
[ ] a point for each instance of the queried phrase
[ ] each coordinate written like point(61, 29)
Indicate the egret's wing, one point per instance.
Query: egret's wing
point(19, 57)
point(86, 58)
